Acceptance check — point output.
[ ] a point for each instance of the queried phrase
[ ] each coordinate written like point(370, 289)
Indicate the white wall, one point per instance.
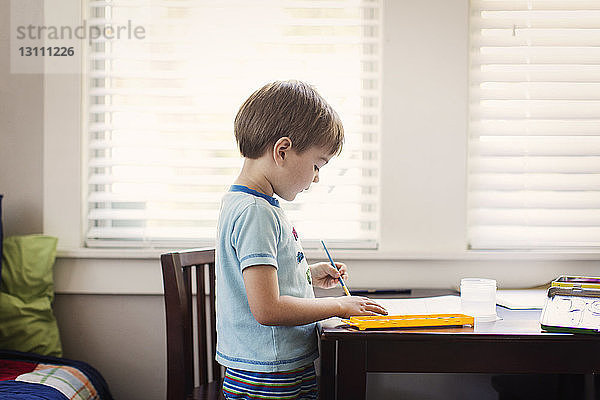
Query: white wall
point(424, 126)
point(21, 135)
point(108, 303)
point(121, 336)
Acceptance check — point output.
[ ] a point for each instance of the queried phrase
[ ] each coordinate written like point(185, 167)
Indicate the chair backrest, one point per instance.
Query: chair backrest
point(177, 279)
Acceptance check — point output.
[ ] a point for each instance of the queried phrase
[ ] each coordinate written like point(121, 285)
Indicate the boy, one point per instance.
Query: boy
point(266, 309)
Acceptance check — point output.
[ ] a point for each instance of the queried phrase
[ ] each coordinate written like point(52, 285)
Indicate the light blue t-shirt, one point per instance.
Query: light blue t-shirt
point(254, 230)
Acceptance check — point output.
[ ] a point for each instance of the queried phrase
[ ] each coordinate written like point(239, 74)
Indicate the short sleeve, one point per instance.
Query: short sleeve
point(255, 236)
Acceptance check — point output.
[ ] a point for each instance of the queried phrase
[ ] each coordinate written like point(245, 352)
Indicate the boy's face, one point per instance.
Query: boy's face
point(300, 170)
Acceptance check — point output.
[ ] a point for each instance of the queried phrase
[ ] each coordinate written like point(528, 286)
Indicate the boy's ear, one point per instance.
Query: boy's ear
point(281, 148)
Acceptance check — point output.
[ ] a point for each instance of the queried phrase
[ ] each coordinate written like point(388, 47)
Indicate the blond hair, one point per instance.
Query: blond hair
point(287, 108)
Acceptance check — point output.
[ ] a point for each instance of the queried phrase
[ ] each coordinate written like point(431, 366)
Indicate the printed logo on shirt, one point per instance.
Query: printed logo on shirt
point(308, 276)
point(295, 233)
point(300, 257)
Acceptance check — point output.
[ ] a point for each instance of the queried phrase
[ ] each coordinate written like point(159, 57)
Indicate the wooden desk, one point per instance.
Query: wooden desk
point(514, 344)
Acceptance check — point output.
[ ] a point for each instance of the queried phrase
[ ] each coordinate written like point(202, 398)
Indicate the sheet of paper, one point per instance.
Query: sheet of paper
point(426, 305)
point(522, 299)
point(418, 306)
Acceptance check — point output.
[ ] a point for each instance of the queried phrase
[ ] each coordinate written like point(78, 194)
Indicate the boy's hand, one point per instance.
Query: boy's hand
point(325, 276)
point(358, 305)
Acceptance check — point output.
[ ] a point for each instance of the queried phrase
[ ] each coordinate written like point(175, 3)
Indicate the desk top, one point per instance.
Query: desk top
point(511, 325)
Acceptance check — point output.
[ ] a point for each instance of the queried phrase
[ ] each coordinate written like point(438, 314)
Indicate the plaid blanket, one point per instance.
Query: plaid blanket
point(27, 375)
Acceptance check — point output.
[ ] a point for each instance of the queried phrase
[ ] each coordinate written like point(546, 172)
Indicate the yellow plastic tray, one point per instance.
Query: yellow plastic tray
point(583, 282)
point(408, 321)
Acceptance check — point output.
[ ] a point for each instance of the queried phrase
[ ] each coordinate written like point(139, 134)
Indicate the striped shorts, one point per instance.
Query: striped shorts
point(299, 383)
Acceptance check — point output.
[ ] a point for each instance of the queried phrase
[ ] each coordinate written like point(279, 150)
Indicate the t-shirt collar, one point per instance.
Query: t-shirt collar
point(241, 188)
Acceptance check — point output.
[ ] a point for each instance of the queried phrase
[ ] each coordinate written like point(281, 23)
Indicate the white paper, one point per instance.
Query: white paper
point(411, 306)
point(522, 299)
point(421, 306)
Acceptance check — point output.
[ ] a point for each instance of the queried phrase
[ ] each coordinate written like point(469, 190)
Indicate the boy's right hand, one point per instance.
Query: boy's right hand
point(358, 305)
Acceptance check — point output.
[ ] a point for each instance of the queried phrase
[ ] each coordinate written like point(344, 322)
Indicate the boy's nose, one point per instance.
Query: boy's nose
point(316, 178)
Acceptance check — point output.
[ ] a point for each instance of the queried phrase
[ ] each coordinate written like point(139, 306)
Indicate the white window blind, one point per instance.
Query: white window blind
point(160, 111)
point(534, 167)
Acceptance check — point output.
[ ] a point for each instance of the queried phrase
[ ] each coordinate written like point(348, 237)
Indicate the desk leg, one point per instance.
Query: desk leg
point(352, 371)
point(328, 361)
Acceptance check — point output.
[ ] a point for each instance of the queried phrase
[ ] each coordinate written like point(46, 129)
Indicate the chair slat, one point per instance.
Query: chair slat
point(201, 310)
point(189, 333)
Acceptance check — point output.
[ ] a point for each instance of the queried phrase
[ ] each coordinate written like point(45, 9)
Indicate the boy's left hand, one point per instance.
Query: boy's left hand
point(325, 276)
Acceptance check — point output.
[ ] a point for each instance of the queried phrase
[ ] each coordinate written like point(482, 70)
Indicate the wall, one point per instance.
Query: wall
point(108, 303)
point(122, 336)
point(21, 133)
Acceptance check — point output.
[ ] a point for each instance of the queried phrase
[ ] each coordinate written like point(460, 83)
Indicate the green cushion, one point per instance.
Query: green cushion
point(27, 322)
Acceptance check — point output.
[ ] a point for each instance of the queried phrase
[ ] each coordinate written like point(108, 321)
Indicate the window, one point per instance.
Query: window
point(159, 134)
point(534, 167)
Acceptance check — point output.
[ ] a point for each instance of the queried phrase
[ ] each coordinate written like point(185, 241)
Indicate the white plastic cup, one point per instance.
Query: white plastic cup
point(478, 298)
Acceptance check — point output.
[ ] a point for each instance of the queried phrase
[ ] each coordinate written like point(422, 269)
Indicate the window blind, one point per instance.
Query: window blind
point(160, 110)
point(534, 166)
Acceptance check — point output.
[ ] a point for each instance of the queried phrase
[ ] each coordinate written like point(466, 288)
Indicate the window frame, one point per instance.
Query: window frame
point(493, 50)
point(369, 237)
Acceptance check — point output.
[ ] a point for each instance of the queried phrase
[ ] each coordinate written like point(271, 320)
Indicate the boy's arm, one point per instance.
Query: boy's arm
point(269, 308)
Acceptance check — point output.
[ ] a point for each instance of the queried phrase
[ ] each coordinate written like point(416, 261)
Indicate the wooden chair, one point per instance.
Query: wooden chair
point(177, 279)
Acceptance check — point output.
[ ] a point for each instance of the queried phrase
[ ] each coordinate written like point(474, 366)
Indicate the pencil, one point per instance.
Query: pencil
point(333, 264)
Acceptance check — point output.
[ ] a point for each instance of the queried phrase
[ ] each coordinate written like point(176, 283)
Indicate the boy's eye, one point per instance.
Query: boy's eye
point(316, 168)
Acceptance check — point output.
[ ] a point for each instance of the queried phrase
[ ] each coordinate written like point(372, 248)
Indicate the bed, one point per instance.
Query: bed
point(32, 376)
